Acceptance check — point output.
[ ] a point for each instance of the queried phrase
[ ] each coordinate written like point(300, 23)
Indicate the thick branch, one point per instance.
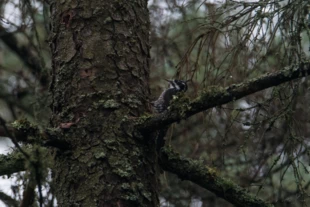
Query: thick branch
point(19, 135)
point(26, 55)
point(10, 164)
point(208, 178)
point(28, 194)
point(216, 96)
point(8, 200)
point(26, 132)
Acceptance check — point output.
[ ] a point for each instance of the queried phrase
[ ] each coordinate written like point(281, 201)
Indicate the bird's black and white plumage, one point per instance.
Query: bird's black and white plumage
point(175, 86)
point(162, 103)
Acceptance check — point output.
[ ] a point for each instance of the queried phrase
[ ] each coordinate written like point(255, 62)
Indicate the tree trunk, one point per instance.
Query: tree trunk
point(100, 52)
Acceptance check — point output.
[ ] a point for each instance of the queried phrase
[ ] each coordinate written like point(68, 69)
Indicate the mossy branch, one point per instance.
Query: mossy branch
point(208, 178)
point(26, 132)
point(216, 96)
point(11, 163)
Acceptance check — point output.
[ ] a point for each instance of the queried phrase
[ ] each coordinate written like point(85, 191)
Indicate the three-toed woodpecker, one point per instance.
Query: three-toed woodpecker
point(162, 103)
point(175, 86)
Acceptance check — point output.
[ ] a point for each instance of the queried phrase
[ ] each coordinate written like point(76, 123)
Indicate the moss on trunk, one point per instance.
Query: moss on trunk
point(100, 52)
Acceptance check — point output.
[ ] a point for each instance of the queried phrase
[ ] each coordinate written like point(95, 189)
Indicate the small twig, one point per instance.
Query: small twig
point(8, 133)
point(27, 156)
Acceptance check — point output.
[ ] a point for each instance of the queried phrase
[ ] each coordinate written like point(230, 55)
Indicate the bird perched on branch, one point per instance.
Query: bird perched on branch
point(175, 86)
point(162, 103)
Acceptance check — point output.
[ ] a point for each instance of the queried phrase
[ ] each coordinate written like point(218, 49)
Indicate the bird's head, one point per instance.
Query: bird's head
point(179, 85)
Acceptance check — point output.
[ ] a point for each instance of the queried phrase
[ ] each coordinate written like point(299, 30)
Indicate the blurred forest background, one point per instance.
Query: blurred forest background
point(261, 142)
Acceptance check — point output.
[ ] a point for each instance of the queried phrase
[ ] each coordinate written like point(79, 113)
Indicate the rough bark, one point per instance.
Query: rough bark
point(100, 52)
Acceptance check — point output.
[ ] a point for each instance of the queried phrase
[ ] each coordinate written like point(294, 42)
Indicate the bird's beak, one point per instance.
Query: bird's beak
point(167, 80)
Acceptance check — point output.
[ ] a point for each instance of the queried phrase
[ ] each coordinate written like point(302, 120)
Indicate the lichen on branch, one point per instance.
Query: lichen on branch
point(216, 96)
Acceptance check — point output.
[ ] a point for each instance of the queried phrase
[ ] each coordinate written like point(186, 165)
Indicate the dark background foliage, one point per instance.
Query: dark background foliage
point(260, 142)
